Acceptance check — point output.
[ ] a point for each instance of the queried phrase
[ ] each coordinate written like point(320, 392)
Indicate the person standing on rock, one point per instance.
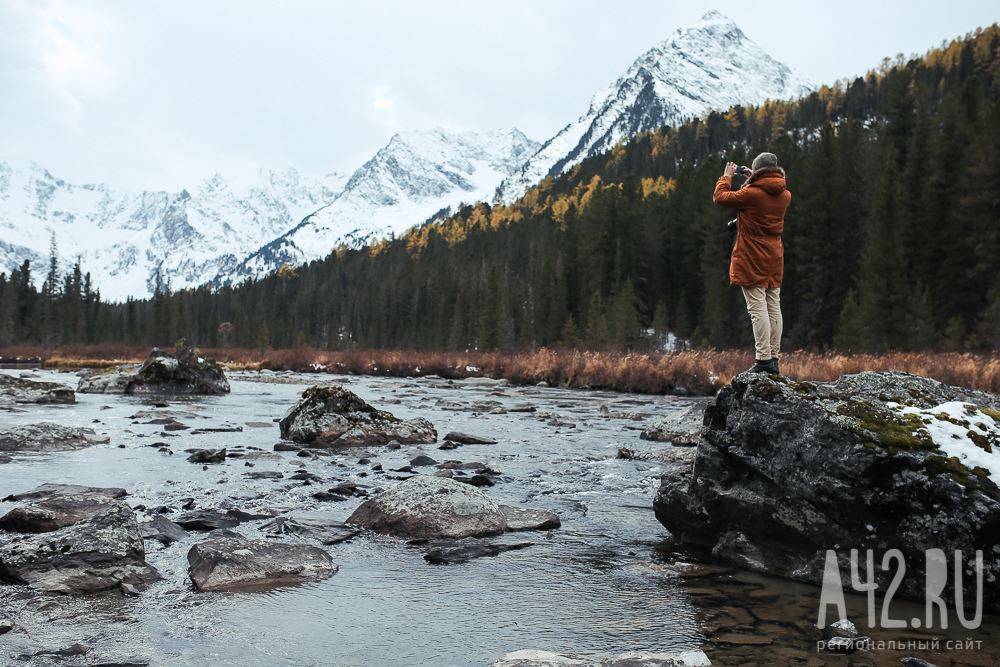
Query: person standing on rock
point(758, 260)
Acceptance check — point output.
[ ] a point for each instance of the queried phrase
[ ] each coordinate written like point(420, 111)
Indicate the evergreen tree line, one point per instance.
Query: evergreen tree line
point(892, 242)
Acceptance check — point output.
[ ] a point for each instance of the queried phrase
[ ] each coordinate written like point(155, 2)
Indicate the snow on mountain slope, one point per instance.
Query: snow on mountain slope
point(709, 65)
point(412, 178)
point(123, 238)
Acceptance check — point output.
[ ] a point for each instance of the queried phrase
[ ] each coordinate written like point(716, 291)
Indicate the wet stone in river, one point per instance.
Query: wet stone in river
point(75, 540)
point(332, 416)
point(228, 561)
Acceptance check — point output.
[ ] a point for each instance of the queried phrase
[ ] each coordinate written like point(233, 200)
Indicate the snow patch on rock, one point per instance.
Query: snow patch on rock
point(962, 430)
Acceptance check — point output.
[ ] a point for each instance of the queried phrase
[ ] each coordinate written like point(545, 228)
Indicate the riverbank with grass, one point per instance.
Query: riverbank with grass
point(693, 372)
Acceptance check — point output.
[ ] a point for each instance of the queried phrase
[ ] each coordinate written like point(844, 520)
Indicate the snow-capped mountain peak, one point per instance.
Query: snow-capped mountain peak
point(414, 176)
point(709, 65)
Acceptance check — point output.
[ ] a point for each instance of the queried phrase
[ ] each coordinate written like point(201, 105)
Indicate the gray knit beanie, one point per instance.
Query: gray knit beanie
point(764, 160)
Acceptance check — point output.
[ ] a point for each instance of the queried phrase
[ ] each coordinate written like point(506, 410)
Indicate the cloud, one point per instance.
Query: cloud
point(384, 107)
point(69, 38)
point(381, 100)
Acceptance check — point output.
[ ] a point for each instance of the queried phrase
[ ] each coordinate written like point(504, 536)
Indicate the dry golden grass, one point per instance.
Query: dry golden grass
point(696, 372)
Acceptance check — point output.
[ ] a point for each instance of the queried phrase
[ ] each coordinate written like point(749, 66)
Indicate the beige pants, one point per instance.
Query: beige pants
point(764, 306)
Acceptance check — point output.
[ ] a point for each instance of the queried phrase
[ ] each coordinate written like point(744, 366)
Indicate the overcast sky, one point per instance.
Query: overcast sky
point(162, 94)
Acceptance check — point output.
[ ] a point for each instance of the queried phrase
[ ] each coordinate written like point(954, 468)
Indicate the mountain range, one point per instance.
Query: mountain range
point(415, 176)
point(124, 239)
point(709, 65)
point(221, 233)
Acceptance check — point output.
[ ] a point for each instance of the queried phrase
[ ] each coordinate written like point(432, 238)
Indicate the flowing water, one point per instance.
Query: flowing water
point(606, 581)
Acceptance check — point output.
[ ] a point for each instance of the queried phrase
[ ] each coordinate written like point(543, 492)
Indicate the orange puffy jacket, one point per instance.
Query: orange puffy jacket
point(758, 255)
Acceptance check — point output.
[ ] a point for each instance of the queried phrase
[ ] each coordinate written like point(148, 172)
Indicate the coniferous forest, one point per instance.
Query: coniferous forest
point(892, 242)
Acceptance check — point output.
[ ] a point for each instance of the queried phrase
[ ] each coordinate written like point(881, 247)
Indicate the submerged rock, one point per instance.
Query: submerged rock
point(332, 416)
point(50, 490)
point(180, 372)
point(467, 439)
point(463, 553)
point(21, 390)
point(532, 658)
point(228, 561)
point(325, 530)
point(74, 540)
point(206, 520)
point(208, 456)
point(163, 530)
point(787, 470)
point(529, 519)
point(48, 437)
point(439, 507)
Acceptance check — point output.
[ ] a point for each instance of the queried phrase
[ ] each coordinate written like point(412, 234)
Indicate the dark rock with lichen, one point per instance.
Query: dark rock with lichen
point(178, 372)
point(228, 561)
point(48, 437)
point(15, 390)
point(438, 507)
point(70, 539)
point(787, 470)
point(333, 416)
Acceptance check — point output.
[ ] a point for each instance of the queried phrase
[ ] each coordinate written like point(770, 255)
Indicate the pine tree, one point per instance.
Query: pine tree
point(850, 327)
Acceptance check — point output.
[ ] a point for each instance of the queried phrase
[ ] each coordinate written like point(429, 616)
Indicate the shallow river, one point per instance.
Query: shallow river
point(607, 580)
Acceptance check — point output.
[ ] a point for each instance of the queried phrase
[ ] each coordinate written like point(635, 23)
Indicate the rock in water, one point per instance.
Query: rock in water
point(426, 506)
point(323, 529)
point(463, 553)
point(107, 380)
point(206, 520)
point(48, 437)
point(180, 372)
point(227, 561)
point(467, 439)
point(529, 519)
point(20, 390)
point(49, 490)
point(163, 530)
point(332, 416)
point(422, 460)
point(787, 470)
point(208, 456)
point(75, 540)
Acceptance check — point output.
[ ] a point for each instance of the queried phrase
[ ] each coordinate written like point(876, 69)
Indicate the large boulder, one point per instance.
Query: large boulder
point(107, 380)
point(179, 372)
point(21, 390)
point(788, 470)
point(332, 416)
point(75, 540)
point(49, 490)
point(48, 437)
point(431, 507)
point(439, 507)
point(228, 561)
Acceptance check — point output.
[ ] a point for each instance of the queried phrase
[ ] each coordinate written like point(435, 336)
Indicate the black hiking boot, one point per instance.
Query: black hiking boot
point(762, 366)
point(774, 366)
